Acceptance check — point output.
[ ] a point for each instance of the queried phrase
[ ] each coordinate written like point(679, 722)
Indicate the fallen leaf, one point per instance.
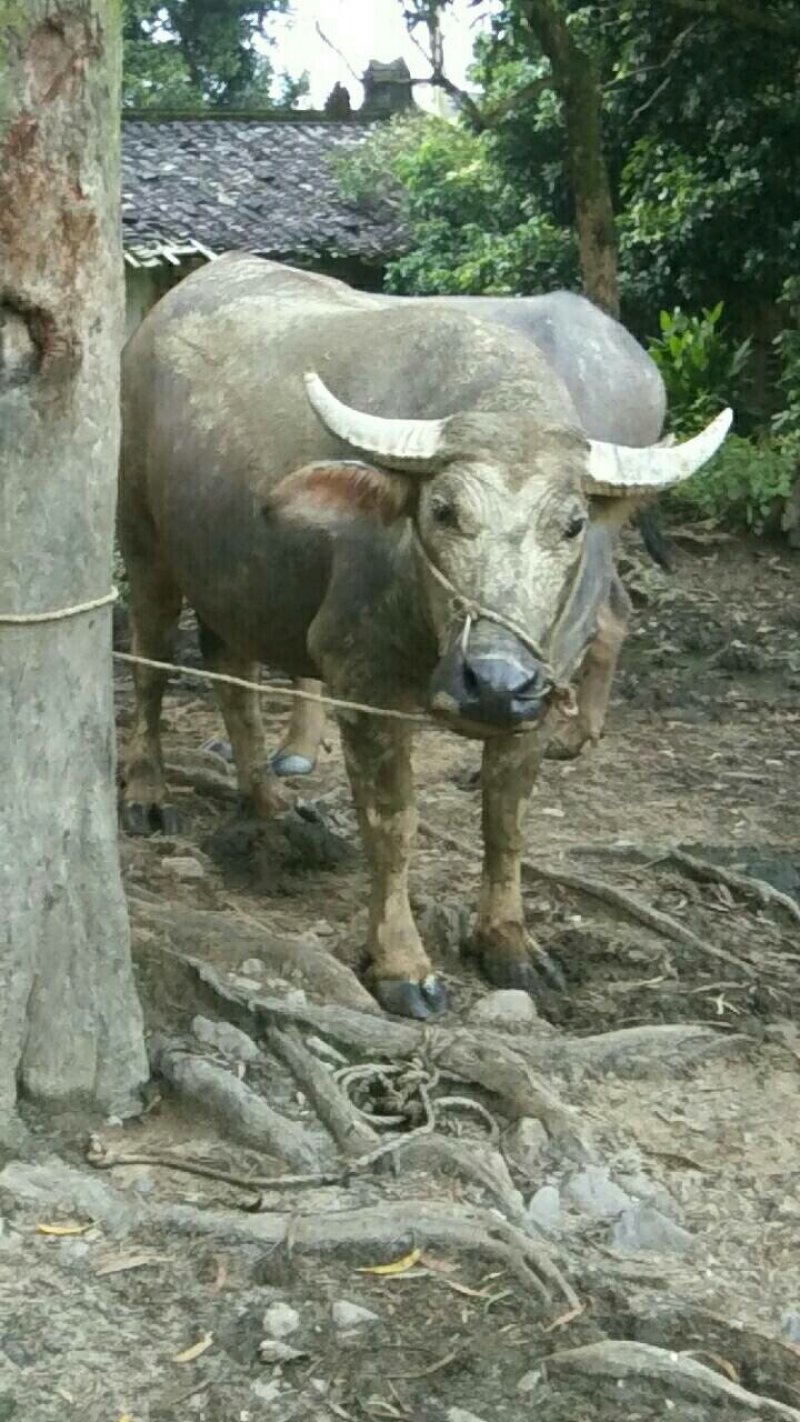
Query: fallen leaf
point(398, 1266)
point(116, 1264)
point(189, 1354)
point(439, 1266)
point(465, 1289)
point(60, 1230)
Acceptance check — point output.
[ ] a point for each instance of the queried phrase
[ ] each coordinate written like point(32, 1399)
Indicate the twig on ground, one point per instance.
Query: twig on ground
point(102, 1158)
point(430, 1370)
point(705, 872)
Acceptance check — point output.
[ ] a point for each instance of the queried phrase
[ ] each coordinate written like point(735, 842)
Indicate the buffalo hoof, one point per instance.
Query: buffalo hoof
point(137, 818)
point(287, 763)
point(409, 999)
point(533, 973)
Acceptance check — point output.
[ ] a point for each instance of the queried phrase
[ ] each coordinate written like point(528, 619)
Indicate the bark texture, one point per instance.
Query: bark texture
point(578, 84)
point(70, 1022)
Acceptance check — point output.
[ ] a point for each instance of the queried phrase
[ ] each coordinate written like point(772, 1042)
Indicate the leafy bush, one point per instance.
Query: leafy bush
point(701, 368)
point(744, 485)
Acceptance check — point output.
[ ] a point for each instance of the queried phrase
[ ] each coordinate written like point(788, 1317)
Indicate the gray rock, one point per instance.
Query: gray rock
point(225, 1038)
point(643, 1227)
point(529, 1382)
point(350, 1315)
point(73, 1251)
point(525, 1144)
point(273, 1350)
point(594, 1193)
point(280, 1320)
point(459, 1414)
point(266, 1391)
point(295, 997)
point(544, 1209)
point(244, 984)
point(184, 866)
point(252, 967)
point(790, 1325)
point(508, 1007)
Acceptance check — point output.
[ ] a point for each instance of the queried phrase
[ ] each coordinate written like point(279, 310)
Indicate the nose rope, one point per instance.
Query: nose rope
point(472, 611)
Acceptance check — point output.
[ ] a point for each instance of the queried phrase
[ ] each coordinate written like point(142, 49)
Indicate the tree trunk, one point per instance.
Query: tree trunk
point(70, 1022)
point(577, 82)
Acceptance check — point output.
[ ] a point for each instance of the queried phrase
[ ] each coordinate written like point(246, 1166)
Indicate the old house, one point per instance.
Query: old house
point(196, 186)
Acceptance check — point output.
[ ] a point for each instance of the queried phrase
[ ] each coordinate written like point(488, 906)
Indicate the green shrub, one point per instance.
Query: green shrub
point(744, 485)
point(700, 366)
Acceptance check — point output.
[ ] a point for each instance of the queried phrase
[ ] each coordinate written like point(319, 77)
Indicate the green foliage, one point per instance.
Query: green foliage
point(473, 231)
point(744, 485)
point(700, 120)
point(196, 53)
point(787, 422)
point(700, 366)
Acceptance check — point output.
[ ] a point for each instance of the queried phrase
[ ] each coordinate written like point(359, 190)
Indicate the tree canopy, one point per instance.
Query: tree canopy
point(700, 108)
point(200, 54)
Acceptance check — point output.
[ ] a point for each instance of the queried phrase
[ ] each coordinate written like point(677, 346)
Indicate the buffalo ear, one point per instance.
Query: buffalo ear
point(332, 492)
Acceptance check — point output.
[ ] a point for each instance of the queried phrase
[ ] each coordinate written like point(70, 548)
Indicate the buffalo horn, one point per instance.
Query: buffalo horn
point(619, 468)
point(398, 444)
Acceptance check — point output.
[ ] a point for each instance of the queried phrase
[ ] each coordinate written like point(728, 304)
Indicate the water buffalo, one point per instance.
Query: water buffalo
point(618, 395)
point(399, 502)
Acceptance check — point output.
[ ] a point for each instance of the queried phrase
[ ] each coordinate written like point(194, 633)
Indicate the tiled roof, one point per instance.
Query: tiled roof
point(263, 185)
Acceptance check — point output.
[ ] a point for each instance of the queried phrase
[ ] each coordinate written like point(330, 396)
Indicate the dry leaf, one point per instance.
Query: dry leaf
point(439, 1266)
point(60, 1230)
point(116, 1264)
point(465, 1289)
point(189, 1354)
point(398, 1266)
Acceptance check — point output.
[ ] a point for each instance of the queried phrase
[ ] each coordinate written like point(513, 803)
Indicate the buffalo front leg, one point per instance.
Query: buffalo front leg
point(155, 609)
point(509, 957)
point(597, 675)
point(298, 751)
point(261, 793)
point(378, 760)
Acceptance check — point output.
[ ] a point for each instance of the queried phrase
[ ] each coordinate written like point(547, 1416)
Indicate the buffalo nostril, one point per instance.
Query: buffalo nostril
point(472, 682)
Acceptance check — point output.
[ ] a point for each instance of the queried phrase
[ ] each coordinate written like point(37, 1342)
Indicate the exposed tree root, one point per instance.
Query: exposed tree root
point(246, 1115)
point(765, 1361)
point(609, 894)
point(383, 1231)
point(675, 1375)
point(670, 1050)
point(484, 1058)
point(300, 963)
point(707, 873)
point(333, 1106)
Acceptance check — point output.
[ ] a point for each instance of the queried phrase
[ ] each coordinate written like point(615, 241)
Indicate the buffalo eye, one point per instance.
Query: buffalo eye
point(575, 526)
point(443, 513)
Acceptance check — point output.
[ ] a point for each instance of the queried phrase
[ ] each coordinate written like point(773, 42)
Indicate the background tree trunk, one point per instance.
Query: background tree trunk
point(70, 1022)
point(578, 85)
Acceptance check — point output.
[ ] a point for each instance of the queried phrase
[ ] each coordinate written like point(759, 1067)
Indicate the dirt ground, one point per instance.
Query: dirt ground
point(599, 1218)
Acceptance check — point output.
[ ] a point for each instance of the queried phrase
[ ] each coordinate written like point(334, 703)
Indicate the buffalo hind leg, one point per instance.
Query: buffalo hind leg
point(298, 751)
point(262, 795)
point(509, 957)
point(597, 675)
point(155, 609)
point(378, 760)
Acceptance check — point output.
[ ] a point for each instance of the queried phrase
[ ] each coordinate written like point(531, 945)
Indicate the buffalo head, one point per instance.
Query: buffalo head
point(512, 525)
